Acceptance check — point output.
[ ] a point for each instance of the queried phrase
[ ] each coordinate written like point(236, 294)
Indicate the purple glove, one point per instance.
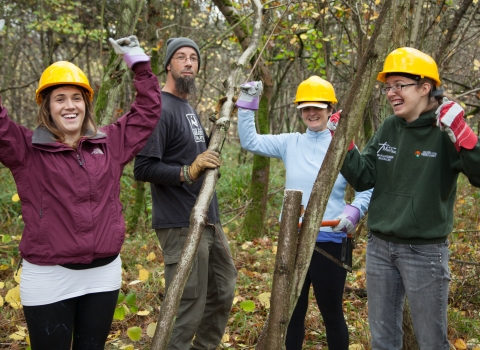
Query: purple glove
point(348, 220)
point(250, 95)
point(130, 50)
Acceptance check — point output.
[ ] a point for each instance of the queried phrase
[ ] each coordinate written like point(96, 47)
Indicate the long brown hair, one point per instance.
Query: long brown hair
point(44, 117)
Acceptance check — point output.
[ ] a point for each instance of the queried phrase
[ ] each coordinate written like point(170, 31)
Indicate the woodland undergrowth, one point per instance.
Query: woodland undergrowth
point(143, 286)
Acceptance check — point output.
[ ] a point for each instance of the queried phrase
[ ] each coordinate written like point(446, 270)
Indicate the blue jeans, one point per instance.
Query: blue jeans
point(419, 271)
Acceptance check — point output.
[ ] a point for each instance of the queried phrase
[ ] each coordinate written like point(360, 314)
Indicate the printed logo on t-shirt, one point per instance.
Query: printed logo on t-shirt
point(196, 128)
point(386, 148)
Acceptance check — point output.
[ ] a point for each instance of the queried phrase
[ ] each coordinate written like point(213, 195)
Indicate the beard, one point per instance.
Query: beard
point(184, 85)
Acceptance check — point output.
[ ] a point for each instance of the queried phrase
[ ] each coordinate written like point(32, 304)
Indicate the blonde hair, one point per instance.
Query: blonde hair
point(44, 117)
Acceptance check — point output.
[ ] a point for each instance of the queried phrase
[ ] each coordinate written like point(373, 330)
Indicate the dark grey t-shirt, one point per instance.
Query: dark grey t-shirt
point(176, 141)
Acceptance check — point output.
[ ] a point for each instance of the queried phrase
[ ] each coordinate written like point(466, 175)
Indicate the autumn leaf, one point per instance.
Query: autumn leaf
point(119, 313)
point(460, 344)
point(151, 329)
point(143, 274)
point(264, 299)
point(143, 313)
point(134, 282)
point(13, 297)
point(247, 305)
point(134, 333)
point(18, 335)
point(151, 256)
point(17, 274)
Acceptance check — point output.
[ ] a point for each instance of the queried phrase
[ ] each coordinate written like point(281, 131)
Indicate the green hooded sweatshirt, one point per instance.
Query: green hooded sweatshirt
point(413, 168)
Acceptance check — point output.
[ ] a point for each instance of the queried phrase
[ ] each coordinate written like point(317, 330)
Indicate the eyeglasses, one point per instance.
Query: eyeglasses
point(395, 88)
point(183, 59)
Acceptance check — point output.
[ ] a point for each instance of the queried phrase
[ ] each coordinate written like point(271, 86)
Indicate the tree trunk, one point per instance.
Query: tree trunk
point(356, 101)
point(275, 328)
point(253, 225)
point(409, 338)
point(166, 319)
point(112, 82)
point(138, 206)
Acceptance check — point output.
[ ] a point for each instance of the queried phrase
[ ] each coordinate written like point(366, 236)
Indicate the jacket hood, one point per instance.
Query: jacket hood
point(425, 119)
point(43, 136)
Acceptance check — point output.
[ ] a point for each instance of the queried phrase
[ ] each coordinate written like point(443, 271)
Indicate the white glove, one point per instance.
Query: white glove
point(348, 220)
point(130, 50)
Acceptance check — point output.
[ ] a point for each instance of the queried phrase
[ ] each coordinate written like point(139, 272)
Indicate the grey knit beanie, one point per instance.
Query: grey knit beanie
point(173, 44)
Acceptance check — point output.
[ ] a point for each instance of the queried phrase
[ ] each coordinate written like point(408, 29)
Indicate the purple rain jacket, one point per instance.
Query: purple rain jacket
point(70, 198)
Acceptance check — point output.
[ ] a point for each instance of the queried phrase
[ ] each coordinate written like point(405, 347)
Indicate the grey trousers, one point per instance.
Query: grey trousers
point(207, 298)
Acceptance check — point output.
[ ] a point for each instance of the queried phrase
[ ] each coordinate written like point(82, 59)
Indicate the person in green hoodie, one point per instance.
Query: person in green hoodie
point(412, 163)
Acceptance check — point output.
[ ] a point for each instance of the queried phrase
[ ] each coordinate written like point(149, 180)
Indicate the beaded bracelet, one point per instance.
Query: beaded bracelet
point(186, 176)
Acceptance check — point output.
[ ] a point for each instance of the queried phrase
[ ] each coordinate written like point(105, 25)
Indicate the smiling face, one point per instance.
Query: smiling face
point(67, 109)
point(315, 118)
point(411, 101)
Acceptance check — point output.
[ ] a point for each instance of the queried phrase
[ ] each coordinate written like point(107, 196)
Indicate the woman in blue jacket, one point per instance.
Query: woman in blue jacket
point(302, 155)
point(67, 173)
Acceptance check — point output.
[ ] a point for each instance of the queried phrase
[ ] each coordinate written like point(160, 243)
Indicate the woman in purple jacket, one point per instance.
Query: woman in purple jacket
point(68, 178)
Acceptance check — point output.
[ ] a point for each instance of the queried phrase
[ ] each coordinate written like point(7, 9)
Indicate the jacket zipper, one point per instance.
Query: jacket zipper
point(80, 161)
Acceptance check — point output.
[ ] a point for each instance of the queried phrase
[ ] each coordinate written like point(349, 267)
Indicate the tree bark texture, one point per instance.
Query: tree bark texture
point(275, 328)
point(169, 308)
point(253, 225)
point(112, 82)
point(409, 338)
point(356, 101)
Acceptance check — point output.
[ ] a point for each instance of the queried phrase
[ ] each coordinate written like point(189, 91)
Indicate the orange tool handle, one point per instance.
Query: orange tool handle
point(326, 223)
point(331, 223)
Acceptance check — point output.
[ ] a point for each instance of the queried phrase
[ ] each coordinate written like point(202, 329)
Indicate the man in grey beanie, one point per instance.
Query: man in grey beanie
point(173, 161)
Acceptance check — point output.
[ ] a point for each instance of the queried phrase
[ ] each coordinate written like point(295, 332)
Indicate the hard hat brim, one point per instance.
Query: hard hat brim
point(312, 104)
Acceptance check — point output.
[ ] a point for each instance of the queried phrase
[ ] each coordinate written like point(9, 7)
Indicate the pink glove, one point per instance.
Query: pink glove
point(450, 119)
point(348, 220)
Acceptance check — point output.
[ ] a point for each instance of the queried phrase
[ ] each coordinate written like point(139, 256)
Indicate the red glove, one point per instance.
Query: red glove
point(450, 119)
point(332, 126)
point(333, 121)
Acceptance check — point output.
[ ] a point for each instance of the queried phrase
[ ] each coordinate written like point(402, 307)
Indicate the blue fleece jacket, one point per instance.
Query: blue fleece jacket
point(302, 155)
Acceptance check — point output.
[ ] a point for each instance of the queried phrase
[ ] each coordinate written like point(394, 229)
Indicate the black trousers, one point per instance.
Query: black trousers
point(85, 320)
point(328, 281)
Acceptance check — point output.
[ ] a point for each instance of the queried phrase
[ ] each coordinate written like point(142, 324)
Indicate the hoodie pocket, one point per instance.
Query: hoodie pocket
point(393, 214)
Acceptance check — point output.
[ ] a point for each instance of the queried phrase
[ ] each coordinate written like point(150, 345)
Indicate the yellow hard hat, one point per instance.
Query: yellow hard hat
point(411, 61)
point(61, 73)
point(315, 89)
